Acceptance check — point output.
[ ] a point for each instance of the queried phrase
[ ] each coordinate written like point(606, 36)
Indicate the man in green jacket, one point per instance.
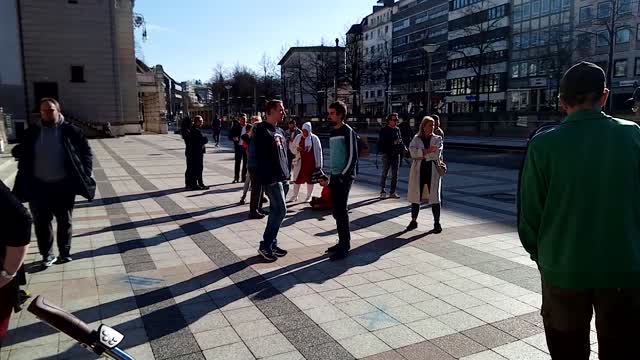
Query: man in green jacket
point(580, 221)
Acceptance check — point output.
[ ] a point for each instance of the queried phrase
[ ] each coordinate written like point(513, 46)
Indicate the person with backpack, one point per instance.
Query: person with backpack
point(343, 144)
point(391, 146)
point(579, 219)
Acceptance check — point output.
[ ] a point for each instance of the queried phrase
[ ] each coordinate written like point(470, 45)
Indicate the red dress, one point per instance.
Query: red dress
point(308, 166)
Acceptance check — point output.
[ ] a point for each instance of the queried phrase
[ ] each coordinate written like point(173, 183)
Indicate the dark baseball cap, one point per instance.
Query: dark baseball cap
point(581, 80)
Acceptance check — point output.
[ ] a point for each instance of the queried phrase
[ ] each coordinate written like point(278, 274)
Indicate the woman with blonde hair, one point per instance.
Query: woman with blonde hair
point(425, 182)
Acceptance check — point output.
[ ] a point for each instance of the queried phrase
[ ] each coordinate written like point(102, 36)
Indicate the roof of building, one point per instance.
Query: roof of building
point(355, 29)
point(320, 48)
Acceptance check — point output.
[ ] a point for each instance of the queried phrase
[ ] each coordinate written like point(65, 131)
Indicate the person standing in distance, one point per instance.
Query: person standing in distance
point(272, 172)
point(343, 152)
point(579, 219)
point(391, 146)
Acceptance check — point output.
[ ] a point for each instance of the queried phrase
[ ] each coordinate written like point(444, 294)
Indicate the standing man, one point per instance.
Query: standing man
point(344, 159)
point(54, 165)
point(390, 145)
point(291, 134)
point(240, 153)
point(579, 218)
point(197, 149)
point(216, 126)
point(273, 174)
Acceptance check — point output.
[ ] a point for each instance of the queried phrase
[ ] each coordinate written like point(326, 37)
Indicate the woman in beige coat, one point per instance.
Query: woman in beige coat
point(424, 181)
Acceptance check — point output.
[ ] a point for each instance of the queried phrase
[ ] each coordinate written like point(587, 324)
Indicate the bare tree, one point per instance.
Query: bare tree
point(478, 28)
point(557, 56)
point(354, 76)
point(378, 70)
point(609, 26)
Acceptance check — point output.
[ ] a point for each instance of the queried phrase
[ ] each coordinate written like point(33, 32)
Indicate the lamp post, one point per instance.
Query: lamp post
point(429, 49)
point(228, 87)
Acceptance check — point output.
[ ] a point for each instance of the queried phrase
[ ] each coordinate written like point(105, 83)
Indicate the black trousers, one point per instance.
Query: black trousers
point(216, 135)
point(567, 315)
point(53, 199)
point(240, 156)
point(435, 209)
point(198, 168)
point(340, 187)
point(390, 163)
point(189, 180)
point(255, 201)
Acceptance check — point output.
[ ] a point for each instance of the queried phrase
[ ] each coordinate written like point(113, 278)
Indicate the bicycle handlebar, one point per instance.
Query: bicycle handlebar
point(62, 320)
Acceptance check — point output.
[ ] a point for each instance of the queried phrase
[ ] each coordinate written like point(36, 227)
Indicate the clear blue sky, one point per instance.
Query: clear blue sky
point(189, 37)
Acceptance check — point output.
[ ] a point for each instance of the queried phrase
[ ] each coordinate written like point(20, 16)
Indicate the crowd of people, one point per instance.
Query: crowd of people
point(578, 208)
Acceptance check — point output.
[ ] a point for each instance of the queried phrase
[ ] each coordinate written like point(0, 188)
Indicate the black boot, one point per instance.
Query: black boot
point(412, 225)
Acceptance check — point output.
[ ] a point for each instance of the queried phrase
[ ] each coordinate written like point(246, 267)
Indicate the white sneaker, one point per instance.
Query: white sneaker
point(383, 195)
point(394, 196)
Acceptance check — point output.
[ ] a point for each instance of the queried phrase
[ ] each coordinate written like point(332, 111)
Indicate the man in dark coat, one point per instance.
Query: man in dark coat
point(55, 164)
point(196, 149)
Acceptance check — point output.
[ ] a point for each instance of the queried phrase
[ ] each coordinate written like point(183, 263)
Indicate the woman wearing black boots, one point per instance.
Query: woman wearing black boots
point(425, 182)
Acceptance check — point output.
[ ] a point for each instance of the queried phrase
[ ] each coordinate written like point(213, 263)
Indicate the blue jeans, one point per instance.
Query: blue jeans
point(277, 193)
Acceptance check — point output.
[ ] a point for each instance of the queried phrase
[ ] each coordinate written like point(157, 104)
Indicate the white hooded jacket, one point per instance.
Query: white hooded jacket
point(311, 140)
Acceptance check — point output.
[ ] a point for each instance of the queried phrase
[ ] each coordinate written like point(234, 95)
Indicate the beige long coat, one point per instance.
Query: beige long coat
point(416, 149)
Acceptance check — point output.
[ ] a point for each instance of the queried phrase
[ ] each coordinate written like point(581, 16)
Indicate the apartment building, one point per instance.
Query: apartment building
point(377, 30)
point(478, 55)
point(419, 25)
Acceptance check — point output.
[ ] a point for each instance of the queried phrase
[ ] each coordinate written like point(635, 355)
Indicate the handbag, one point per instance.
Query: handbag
point(441, 168)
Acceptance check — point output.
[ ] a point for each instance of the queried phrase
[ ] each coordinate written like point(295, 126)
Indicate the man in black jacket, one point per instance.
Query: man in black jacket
point(272, 173)
point(54, 165)
point(390, 145)
point(197, 149)
point(216, 127)
point(235, 134)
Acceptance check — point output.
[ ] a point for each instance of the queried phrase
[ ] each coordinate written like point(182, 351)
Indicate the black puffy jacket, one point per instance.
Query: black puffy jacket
point(78, 162)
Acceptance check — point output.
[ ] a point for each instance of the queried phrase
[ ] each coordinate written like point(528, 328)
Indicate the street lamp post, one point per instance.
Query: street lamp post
point(429, 49)
point(228, 87)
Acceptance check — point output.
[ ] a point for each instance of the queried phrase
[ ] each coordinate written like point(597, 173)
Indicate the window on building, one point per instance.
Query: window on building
point(533, 69)
point(602, 38)
point(77, 74)
point(638, 31)
point(555, 6)
point(637, 67)
point(623, 36)
point(514, 71)
point(366, 94)
point(604, 9)
point(386, 29)
point(401, 25)
point(523, 69)
point(536, 8)
point(526, 11)
point(620, 68)
point(517, 13)
point(624, 7)
point(585, 15)
point(379, 93)
point(545, 7)
point(584, 41)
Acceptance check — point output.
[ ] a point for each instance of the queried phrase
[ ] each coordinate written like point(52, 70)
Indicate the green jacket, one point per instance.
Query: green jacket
point(580, 202)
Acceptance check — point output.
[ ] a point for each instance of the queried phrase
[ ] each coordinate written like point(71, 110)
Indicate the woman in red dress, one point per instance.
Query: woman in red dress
point(308, 158)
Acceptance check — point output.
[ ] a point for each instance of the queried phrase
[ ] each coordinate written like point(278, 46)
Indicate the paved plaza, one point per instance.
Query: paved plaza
point(177, 272)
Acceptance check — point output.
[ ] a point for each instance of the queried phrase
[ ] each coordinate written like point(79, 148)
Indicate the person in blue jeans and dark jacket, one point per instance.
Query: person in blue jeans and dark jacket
point(343, 144)
point(390, 145)
point(273, 174)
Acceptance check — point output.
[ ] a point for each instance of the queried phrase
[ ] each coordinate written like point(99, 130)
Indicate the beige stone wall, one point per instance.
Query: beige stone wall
point(81, 34)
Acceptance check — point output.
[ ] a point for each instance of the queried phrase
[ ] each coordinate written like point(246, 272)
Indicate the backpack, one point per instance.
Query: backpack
point(543, 129)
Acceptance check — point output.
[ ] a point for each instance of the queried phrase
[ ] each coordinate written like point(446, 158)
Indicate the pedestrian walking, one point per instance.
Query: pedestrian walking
point(216, 127)
point(197, 149)
point(14, 243)
point(579, 219)
point(272, 172)
point(425, 182)
point(236, 132)
point(190, 182)
point(391, 146)
point(55, 164)
point(437, 129)
point(307, 149)
point(247, 140)
point(344, 159)
point(257, 193)
point(290, 134)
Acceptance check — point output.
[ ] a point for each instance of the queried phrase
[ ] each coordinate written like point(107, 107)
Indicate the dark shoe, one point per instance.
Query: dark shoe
point(48, 261)
point(256, 216)
point(437, 228)
point(332, 249)
point(383, 195)
point(203, 187)
point(235, 181)
point(263, 212)
point(267, 255)
point(23, 296)
point(339, 255)
point(412, 225)
point(264, 200)
point(193, 188)
point(394, 196)
point(63, 260)
point(279, 252)
point(242, 202)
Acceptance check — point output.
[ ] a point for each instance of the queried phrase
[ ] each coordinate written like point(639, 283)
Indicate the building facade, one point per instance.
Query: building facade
point(95, 85)
point(608, 33)
point(417, 24)
point(312, 77)
point(477, 55)
point(377, 37)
